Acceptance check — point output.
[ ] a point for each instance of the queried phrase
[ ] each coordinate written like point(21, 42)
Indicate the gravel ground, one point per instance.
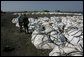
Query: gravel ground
point(20, 42)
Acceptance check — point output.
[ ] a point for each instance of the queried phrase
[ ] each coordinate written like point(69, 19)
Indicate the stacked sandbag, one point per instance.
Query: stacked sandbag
point(64, 35)
point(50, 36)
point(74, 35)
point(40, 37)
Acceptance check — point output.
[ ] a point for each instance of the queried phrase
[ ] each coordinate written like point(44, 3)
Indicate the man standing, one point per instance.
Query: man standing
point(20, 19)
point(25, 22)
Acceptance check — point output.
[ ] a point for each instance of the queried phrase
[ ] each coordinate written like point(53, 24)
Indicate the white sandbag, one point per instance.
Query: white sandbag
point(62, 51)
point(17, 25)
point(77, 54)
point(15, 20)
point(61, 26)
point(48, 28)
point(75, 33)
point(71, 31)
point(53, 35)
point(73, 40)
point(31, 28)
point(40, 41)
point(31, 20)
point(54, 26)
point(53, 52)
point(78, 33)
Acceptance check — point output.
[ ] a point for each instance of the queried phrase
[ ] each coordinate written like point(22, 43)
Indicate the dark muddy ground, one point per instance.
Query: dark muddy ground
point(21, 42)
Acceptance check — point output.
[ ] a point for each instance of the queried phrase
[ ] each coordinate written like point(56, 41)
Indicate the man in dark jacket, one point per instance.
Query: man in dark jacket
point(20, 22)
point(25, 22)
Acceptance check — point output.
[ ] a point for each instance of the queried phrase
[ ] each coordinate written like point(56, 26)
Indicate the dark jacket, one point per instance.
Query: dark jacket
point(25, 20)
point(20, 19)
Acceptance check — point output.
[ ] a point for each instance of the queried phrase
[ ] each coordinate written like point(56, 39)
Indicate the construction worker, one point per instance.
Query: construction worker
point(25, 23)
point(20, 19)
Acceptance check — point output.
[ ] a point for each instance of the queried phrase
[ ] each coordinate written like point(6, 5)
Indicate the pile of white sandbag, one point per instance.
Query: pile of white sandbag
point(64, 35)
point(79, 14)
point(74, 33)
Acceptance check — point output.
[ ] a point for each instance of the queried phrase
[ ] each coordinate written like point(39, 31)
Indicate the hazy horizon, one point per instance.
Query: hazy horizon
point(41, 5)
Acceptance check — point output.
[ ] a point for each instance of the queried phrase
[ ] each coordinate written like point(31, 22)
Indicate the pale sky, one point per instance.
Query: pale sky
point(41, 5)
